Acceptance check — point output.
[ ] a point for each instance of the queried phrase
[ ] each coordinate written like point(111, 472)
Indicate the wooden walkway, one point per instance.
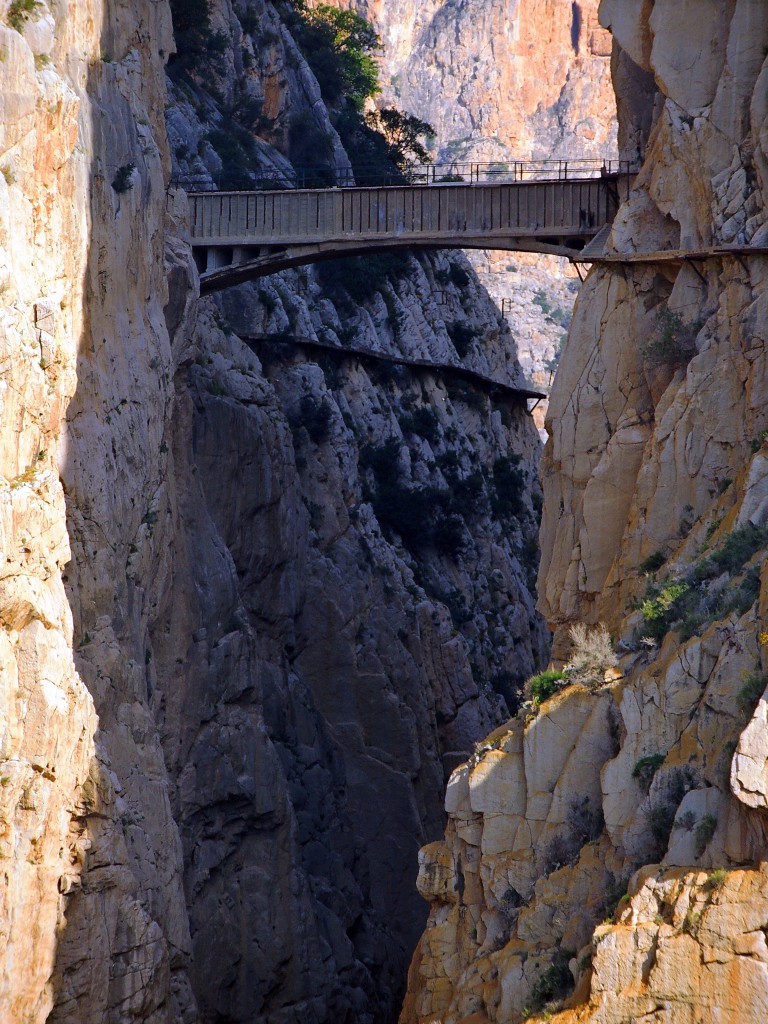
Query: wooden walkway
point(459, 372)
point(239, 236)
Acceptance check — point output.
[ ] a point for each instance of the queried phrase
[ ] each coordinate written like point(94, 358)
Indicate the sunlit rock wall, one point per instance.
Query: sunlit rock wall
point(651, 787)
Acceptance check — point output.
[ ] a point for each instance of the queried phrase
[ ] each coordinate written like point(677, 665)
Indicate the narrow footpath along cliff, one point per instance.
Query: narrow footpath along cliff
point(603, 860)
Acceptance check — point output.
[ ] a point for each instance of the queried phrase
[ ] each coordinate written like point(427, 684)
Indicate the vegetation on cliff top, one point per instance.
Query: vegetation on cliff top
point(687, 601)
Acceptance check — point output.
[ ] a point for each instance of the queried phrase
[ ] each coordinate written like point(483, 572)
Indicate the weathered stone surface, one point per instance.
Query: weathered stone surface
point(223, 743)
point(653, 478)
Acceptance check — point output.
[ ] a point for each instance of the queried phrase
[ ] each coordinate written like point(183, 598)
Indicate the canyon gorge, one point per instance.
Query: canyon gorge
point(278, 565)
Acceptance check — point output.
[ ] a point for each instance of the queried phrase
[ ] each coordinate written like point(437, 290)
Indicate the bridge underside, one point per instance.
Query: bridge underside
point(223, 265)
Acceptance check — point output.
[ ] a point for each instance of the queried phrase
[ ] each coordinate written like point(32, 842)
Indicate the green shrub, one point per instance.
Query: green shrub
point(615, 893)
point(674, 342)
point(19, 13)
point(661, 818)
point(123, 179)
point(385, 373)
point(403, 135)
point(422, 516)
point(191, 31)
point(458, 275)
point(368, 150)
point(460, 390)
point(687, 604)
point(562, 317)
point(544, 685)
point(737, 549)
point(190, 16)
point(338, 45)
point(508, 487)
point(646, 767)
point(555, 982)
point(309, 144)
point(662, 606)
point(457, 605)
point(361, 277)
point(237, 150)
point(509, 686)
point(315, 417)
point(584, 823)
point(715, 879)
point(551, 365)
point(660, 814)
point(462, 336)
point(653, 562)
point(423, 422)
point(751, 692)
point(704, 832)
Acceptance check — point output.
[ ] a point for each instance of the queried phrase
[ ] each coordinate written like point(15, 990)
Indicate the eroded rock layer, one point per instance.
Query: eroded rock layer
point(640, 802)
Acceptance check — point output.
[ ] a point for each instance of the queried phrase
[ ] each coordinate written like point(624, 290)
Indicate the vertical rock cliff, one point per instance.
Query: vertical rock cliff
point(259, 598)
point(604, 850)
point(516, 81)
point(82, 94)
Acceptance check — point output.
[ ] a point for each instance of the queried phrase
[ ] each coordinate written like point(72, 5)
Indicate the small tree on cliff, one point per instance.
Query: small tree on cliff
point(406, 136)
point(339, 47)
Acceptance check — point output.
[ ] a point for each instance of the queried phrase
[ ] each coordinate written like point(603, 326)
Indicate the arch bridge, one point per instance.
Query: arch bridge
point(239, 236)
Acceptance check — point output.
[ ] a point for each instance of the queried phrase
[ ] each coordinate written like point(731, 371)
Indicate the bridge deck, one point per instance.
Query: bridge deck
point(249, 234)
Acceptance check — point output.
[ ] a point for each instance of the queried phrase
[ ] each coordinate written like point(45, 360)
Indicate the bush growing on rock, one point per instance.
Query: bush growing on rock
point(422, 516)
point(646, 767)
point(674, 342)
point(338, 46)
point(20, 12)
point(703, 594)
point(751, 692)
point(592, 655)
point(315, 417)
point(508, 482)
point(554, 983)
point(660, 812)
point(704, 832)
point(462, 336)
point(361, 277)
point(543, 686)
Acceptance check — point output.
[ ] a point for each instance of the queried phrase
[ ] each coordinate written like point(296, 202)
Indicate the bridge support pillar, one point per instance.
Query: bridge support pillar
point(216, 257)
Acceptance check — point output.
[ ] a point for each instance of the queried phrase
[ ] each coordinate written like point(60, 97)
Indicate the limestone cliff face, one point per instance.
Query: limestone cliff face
point(69, 119)
point(654, 524)
point(257, 601)
point(527, 80)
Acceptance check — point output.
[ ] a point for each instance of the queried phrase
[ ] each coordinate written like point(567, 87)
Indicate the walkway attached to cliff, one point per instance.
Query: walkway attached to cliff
point(283, 344)
point(240, 236)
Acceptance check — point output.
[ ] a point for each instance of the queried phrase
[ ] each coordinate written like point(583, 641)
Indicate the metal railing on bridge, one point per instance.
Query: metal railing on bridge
point(454, 172)
point(557, 207)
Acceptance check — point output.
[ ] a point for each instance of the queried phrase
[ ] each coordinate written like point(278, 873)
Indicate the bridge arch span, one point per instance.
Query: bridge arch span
point(240, 236)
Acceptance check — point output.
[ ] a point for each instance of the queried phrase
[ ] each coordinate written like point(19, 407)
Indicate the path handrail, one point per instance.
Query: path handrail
point(459, 172)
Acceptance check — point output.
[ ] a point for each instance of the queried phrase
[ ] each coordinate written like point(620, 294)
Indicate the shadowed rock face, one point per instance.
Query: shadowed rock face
point(654, 486)
point(226, 739)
